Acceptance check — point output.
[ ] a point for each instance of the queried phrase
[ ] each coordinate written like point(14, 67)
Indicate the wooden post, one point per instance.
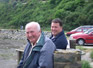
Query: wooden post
point(19, 54)
point(72, 44)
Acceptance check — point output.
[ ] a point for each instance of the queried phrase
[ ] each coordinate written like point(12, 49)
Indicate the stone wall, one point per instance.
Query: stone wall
point(12, 34)
point(70, 58)
point(15, 34)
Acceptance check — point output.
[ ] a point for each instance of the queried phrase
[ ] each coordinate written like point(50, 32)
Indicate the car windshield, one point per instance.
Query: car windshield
point(87, 32)
point(75, 29)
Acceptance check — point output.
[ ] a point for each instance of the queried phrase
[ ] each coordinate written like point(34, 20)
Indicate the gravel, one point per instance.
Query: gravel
point(8, 54)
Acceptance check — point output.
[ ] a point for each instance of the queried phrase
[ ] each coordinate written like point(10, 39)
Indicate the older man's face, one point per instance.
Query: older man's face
point(32, 33)
point(55, 28)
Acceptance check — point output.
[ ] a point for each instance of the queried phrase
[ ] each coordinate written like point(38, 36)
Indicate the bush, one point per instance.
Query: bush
point(85, 64)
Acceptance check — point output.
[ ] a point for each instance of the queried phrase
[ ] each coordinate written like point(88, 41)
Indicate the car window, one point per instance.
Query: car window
point(79, 30)
point(75, 29)
point(92, 33)
point(90, 30)
point(85, 29)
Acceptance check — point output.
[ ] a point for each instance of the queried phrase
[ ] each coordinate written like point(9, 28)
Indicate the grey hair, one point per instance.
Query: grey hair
point(31, 23)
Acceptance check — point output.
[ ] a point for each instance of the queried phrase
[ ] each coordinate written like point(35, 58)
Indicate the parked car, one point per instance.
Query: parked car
point(80, 29)
point(85, 38)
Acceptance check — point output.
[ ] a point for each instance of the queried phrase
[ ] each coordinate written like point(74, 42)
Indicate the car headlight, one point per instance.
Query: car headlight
point(70, 38)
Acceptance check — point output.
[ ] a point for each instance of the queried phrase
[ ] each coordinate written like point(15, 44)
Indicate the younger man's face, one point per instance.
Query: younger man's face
point(55, 28)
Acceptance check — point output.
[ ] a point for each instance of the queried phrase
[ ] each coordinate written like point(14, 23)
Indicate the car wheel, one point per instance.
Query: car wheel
point(80, 42)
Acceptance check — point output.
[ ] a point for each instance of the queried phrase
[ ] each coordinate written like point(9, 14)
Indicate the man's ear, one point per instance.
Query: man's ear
point(40, 31)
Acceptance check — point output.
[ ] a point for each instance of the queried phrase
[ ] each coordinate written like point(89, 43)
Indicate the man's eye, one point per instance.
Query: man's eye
point(27, 32)
point(31, 32)
point(53, 27)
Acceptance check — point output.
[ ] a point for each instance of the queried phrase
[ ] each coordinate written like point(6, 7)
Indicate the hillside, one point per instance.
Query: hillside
point(74, 13)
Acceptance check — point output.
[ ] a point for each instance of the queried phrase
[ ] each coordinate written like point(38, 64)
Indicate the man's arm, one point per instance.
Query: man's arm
point(46, 55)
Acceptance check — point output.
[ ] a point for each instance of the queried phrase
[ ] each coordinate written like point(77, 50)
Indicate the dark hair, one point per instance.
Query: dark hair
point(57, 20)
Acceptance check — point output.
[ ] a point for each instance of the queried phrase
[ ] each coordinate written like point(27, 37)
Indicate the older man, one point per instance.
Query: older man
point(58, 36)
point(39, 50)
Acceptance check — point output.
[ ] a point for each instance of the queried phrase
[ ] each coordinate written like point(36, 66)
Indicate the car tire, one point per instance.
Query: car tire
point(80, 42)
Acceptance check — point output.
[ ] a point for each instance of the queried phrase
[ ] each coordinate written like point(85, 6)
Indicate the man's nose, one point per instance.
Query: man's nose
point(29, 34)
point(53, 28)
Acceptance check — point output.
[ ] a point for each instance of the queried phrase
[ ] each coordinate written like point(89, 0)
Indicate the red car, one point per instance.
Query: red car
point(80, 29)
point(85, 38)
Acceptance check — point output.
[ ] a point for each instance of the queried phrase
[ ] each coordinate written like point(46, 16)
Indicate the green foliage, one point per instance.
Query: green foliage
point(4, 1)
point(85, 64)
point(81, 48)
point(91, 54)
point(73, 13)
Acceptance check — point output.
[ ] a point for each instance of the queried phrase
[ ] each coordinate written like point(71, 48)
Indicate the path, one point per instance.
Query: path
point(8, 55)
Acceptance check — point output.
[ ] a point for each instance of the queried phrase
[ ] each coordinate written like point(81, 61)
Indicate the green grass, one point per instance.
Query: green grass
point(84, 49)
point(86, 64)
point(81, 48)
point(91, 54)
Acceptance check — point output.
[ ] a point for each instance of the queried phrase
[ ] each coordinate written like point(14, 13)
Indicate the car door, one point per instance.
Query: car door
point(89, 39)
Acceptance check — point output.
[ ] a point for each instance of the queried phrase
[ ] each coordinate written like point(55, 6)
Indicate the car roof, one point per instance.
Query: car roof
point(87, 26)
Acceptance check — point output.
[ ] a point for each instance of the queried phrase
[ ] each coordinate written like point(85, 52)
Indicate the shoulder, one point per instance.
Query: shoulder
point(48, 40)
point(62, 34)
point(27, 46)
point(49, 44)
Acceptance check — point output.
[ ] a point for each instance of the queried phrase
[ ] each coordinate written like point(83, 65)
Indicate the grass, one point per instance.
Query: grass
point(91, 54)
point(86, 64)
point(81, 48)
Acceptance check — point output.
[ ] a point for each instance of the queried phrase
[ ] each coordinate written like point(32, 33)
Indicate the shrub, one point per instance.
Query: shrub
point(85, 64)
